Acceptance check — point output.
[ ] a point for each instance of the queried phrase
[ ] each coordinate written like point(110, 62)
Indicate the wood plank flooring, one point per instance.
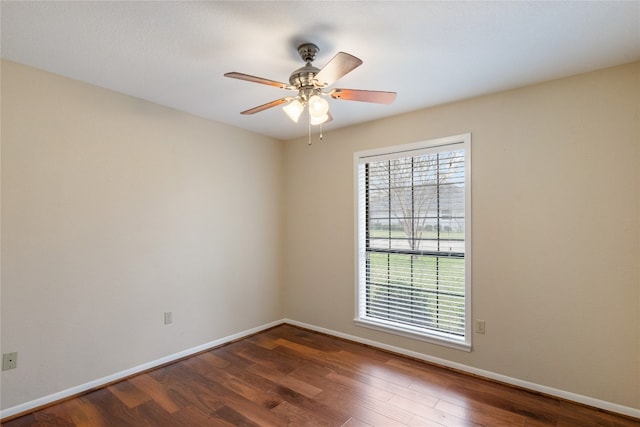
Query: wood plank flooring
point(288, 376)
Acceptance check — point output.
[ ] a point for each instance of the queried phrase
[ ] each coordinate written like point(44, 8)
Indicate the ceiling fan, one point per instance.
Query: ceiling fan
point(311, 83)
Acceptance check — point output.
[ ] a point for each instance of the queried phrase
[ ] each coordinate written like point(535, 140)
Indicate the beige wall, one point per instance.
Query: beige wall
point(556, 230)
point(115, 210)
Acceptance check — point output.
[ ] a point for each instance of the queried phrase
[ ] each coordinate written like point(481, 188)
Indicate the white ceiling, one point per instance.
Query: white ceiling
point(175, 53)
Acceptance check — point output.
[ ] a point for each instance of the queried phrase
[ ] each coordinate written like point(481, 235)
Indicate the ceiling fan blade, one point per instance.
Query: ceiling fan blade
point(376, 96)
point(340, 65)
point(254, 79)
point(266, 106)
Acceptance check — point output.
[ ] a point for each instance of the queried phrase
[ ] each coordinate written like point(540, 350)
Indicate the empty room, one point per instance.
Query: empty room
point(305, 213)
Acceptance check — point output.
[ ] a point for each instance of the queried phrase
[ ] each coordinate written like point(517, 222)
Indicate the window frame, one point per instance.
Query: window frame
point(462, 141)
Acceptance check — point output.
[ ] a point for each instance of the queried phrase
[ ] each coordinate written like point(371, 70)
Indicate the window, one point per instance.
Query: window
point(413, 229)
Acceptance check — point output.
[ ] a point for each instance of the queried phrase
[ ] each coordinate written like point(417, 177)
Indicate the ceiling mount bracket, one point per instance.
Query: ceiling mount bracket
point(308, 51)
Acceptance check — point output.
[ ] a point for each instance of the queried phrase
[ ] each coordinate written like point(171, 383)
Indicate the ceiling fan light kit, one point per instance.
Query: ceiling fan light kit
point(310, 83)
point(318, 107)
point(294, 109)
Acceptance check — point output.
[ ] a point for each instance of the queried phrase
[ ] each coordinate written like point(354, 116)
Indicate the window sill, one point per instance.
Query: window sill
point(433, 338)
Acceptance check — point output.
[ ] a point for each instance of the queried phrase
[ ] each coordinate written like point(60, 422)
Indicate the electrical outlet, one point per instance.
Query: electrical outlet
point(9, 361)
point(168, 317)
point(480, 327)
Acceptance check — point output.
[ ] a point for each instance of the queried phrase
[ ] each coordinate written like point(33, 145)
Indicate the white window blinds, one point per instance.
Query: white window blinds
point(412, 225)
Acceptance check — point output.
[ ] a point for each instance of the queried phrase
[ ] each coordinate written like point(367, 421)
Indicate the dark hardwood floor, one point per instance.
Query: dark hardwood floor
point(288, 376)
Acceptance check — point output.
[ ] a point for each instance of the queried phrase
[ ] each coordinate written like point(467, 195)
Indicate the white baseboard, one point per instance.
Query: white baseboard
point(578, 398)
point(586, 400)
point(29, 406)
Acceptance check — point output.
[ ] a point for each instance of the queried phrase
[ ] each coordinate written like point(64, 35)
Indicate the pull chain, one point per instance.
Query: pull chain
point(321, 136)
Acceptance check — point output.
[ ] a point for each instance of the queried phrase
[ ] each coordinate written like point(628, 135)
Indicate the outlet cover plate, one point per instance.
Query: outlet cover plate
point(9, 361)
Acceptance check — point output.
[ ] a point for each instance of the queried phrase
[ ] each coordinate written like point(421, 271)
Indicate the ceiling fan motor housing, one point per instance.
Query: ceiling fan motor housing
point(304, 78)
